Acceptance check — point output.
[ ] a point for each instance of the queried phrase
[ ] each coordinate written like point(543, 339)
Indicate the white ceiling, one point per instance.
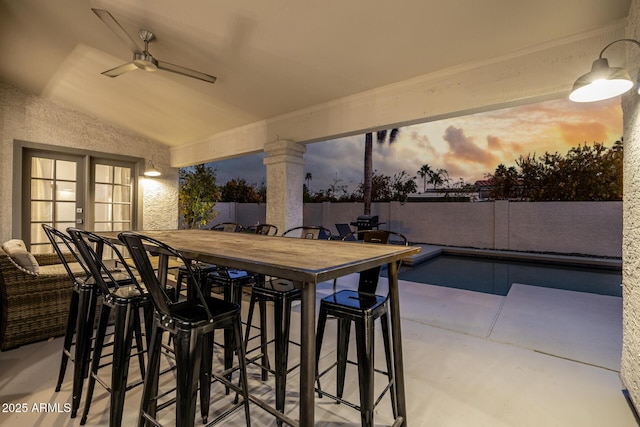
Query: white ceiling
point(270, 56)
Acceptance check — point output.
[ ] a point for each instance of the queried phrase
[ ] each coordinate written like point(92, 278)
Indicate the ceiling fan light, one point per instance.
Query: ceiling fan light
point(145, 62)
point(602, 82)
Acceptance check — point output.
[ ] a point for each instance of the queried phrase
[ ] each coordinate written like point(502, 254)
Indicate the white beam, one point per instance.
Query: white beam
point(535, 74)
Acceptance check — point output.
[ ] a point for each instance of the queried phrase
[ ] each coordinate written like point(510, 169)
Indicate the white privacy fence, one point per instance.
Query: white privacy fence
point(590, 228)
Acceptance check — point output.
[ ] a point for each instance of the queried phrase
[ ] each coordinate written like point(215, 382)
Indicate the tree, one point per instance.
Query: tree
point(438, 177)
point(402, 185)
point(240, 191)
point(586, 172)
point(368, 163)
point(197, 195)
point(425, 172)
point(308, 178)
point(505, 182)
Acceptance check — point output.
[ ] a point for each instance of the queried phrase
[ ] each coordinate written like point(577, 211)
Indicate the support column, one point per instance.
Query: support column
point(285, 177)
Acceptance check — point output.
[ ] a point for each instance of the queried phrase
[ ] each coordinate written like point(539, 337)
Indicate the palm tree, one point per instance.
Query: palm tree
point(438, 177)
point(308, 178)
point(368, 162)
point(424, 172)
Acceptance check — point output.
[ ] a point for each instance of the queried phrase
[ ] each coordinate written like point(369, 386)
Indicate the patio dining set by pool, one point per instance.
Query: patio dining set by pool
point(164, 287)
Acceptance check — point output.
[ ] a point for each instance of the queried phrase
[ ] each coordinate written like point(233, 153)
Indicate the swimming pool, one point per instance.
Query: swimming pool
point(495, 276)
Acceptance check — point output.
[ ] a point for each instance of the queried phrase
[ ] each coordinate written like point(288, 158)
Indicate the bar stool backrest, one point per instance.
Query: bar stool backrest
point(313, 232)
point(227, 227)
point(139, 247)
point(368, 282)
point(62, 244)
point(266, 229)
point(103, 276)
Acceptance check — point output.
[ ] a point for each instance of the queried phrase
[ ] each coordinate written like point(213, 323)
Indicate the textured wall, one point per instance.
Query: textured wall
point(630, 371)
point(590, 228)
point(35, 119)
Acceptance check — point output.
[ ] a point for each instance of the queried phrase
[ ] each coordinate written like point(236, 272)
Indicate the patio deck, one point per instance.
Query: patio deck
point(536, 357)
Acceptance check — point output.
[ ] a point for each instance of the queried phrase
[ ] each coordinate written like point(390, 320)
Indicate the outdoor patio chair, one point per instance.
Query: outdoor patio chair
point(191, 323)
point(344, 230)
point(228, 227)
point(363, 307)
point(122, 294)
point(317, 232)
point(264, 229)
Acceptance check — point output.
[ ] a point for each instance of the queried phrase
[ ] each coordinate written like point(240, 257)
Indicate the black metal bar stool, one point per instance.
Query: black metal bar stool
point(362, 307)
point(281, 293)
point(204, 269)
point(82, 312)
point(191, 323)
point(122, 294)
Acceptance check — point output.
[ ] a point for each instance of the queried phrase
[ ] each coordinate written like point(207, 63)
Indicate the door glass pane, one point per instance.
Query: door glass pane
point(65, 170)
point(41, 211)
point(122, 175)
point(104, 193)
point(37, 234)
point(121, 226)
point(121, 212)
point(62, 226)
point(121, 194)
point(66, 191)
point(103, 173)
point(41, 189)
point(65, 211)
point(41, 168)
point(103, 212)
point(103, 226)
point(45, 248)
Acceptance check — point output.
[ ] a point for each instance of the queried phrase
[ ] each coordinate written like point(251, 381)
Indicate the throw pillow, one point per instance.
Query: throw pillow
point(18, 252)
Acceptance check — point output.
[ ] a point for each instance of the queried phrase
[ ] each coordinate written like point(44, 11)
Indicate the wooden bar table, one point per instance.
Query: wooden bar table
point(306, 262)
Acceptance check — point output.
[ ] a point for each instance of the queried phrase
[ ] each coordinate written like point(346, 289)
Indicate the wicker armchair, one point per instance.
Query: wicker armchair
point(34, 307)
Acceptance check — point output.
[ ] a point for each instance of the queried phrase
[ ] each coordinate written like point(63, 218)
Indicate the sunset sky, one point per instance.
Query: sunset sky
point(468, 147)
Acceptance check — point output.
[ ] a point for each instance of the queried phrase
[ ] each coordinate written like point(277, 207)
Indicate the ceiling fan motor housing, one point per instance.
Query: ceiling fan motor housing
point(145, 61)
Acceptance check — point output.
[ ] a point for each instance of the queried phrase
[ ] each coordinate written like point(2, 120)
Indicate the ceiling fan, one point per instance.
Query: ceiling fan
point(142, 59)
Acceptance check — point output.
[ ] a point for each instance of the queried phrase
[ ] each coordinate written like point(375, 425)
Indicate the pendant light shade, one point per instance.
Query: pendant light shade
point(603, 81)
point(151, 170)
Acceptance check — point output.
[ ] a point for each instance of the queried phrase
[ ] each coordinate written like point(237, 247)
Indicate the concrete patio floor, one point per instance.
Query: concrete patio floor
point(536, 357)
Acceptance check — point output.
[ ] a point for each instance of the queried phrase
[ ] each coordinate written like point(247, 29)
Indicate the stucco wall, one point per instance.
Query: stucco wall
point(630, 366)
point(590, 228)
point(30, 118)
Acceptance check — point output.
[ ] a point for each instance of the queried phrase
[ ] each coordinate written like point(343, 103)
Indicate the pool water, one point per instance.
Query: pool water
point(495, 276)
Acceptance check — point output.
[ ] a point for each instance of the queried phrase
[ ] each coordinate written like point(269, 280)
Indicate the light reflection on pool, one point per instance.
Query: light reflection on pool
point(495, 276)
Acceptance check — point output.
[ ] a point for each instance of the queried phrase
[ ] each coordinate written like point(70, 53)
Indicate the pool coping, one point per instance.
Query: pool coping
point(431, 251)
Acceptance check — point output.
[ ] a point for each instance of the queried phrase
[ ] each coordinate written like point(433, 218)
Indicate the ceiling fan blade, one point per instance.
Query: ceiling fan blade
point(120, 69)
point(186, 72)
point(114, 26)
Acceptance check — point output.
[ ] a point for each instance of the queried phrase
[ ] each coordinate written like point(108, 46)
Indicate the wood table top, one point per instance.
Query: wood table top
point(305, 260)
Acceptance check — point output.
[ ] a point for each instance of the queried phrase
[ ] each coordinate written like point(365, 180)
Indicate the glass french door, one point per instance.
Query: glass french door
point(75, 191)
point(113, 196)
point(54, 196)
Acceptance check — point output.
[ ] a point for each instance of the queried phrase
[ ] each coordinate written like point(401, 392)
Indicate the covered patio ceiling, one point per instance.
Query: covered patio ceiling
point(273, 60)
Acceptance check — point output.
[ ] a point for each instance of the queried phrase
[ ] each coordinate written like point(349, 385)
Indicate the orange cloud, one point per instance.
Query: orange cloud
point(463, 147)
point(578, 133)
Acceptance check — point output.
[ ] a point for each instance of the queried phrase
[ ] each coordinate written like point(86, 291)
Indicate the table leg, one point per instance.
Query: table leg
point(396, 337)
point(307, 355)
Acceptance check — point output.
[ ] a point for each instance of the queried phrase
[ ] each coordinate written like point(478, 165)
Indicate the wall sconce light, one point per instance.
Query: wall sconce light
point(151, 170)
point(603, 82)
